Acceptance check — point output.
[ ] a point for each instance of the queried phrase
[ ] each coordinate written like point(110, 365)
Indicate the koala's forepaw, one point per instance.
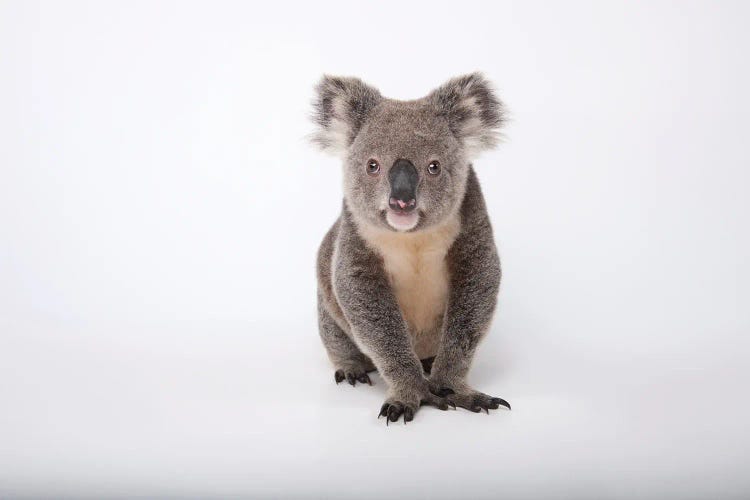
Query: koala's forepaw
point(394, 407)
point(468, 398)
point(352, 377)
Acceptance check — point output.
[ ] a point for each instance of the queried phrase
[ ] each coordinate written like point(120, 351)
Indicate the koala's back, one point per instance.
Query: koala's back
point(325, 276)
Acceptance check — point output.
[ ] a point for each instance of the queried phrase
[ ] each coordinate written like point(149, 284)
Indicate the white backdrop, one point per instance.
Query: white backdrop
point(160, 209)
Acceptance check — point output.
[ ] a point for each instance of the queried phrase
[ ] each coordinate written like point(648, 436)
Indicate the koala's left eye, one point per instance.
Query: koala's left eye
point(373, 167)
point(434, 167)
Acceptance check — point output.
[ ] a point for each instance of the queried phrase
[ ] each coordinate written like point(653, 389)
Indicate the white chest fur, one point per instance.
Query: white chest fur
point(416, 267)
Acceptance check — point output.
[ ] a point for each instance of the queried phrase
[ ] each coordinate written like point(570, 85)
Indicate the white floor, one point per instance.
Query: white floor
point(160, 209)
point(252, 410)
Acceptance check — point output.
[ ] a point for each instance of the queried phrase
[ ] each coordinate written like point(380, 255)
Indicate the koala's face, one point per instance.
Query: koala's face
point(406, 162)
point(405, 170)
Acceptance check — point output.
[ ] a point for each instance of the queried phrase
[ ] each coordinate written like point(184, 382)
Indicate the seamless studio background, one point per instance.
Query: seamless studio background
point(160, 210)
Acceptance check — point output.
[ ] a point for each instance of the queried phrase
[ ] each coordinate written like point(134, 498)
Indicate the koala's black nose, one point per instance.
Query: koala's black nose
point(404, 179)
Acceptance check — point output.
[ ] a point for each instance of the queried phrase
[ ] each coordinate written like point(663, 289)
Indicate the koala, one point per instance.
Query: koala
point(408, 275)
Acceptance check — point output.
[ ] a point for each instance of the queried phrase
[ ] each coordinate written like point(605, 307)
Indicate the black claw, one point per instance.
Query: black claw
point(364, 378)
point(408, 415)
point(487, 411)
point(339, 376)
point(383, 410)
point(440, 404)
point(501, 401)
point(350, 378)
point(452, 404)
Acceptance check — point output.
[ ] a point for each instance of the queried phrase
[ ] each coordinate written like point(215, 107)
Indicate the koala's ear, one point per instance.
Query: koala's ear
point(473, 112)
point(341, 106)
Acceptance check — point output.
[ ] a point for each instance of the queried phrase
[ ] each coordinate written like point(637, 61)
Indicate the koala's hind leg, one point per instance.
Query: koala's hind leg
point(349, 361)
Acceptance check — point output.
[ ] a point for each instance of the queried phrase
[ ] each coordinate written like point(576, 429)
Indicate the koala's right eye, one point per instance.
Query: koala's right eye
point(373, 167)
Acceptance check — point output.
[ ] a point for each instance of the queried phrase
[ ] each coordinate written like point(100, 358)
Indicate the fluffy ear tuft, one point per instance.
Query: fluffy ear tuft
point(341, 106)
point(473, 112)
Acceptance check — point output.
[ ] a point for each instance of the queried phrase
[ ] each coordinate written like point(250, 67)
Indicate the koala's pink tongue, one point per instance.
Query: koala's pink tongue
point(402, 222)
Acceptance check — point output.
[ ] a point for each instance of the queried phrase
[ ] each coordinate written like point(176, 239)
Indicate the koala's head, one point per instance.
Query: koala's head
point(406, 162)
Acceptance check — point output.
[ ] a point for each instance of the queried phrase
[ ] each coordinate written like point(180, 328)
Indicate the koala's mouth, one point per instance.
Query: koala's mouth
point(401, 220)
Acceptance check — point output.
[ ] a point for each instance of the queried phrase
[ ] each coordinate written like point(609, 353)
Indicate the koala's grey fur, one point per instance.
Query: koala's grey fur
point(392, 293)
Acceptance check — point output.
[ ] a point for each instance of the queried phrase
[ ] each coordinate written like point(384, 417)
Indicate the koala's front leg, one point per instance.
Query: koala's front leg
point(371, 309)
point(474, 267)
